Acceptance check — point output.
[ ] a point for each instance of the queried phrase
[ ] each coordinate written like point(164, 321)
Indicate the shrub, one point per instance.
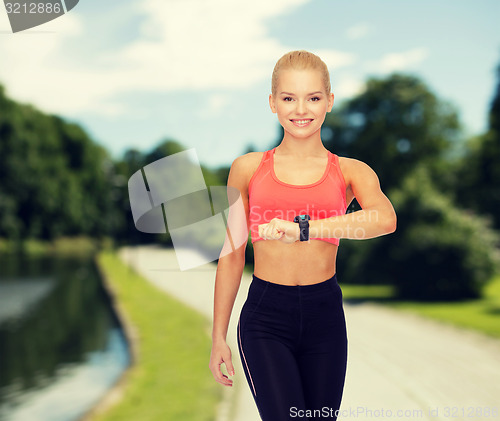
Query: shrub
point(438, 252)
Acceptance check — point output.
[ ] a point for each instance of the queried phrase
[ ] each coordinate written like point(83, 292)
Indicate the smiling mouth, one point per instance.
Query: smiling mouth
point(301, 123)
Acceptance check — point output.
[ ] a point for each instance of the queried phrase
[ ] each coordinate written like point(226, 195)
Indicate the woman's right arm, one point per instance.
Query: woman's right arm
point(229, 272)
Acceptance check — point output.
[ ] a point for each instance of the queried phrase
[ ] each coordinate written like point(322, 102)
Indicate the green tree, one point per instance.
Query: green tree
point(478, 175)
point(191, 206)
point(165, 147)
point(54, 180)
point(396, 124)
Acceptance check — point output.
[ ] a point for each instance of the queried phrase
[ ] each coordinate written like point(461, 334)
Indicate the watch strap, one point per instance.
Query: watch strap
point(303, 221)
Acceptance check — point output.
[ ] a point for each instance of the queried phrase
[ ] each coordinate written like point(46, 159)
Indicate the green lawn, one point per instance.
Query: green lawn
point(481, 314)
point(171, 380)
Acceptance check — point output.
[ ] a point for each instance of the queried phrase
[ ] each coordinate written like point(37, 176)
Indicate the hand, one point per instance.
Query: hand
point(279, 229)
point(221, 354)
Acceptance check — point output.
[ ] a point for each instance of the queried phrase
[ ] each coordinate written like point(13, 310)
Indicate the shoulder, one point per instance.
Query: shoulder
point(356, 170)
point(245, 166)
point(351, 164)
point(248, 161)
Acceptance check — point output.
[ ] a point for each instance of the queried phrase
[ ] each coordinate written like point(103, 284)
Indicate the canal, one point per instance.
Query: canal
point(61, 346)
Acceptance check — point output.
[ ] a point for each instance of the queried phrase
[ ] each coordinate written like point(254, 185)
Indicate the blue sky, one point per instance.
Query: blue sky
point(135, 72)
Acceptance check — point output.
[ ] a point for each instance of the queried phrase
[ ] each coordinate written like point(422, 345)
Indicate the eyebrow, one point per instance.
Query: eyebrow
point(312, 93)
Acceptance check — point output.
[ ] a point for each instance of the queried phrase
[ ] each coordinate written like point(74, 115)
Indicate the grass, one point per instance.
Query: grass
point(482, 314)
point(171, 379)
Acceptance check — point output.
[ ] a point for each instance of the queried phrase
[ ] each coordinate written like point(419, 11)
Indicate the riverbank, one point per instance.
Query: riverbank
point(61, 348)
point(169, 378)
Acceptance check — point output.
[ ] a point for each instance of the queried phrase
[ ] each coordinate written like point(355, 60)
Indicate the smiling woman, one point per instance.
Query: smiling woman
point(307, 97)
point(291, 333)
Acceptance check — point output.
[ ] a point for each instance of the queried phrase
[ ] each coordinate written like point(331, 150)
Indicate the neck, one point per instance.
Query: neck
point(301, 147)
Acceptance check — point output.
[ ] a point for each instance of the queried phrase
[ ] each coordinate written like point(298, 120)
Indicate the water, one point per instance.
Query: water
point(61, 347)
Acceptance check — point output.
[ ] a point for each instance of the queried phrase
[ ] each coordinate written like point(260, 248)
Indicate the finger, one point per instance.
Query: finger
point(219, 377)
point(274, 233)
point(266, 230)
point(262, 231)
point(228, 362)
point(287, 237)
point(268, 233)
point(230, 367)
point(224, 380)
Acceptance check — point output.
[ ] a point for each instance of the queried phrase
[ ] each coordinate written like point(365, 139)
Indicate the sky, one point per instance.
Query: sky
point(134, 73)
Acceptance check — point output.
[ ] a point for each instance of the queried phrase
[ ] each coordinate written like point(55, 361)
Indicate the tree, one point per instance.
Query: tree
point(395, 125)
point(165, 147)
point(54, 180)
point(494, 116)
point(478, 175)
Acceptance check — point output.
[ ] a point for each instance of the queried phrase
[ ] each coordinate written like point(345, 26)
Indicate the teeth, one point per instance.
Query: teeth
point(301, 121)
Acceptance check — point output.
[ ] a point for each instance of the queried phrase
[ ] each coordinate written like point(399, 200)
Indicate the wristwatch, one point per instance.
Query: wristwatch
point(303, 221)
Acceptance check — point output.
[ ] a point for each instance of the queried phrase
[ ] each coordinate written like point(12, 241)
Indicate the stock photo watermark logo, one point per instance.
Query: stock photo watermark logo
point(28, 14)
point(170, 194)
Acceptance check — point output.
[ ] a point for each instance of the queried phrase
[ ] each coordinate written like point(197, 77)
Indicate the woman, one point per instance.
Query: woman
point(291, 332)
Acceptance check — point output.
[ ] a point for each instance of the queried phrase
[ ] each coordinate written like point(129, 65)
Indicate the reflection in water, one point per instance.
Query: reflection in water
point(17, 296)
point(60, 345)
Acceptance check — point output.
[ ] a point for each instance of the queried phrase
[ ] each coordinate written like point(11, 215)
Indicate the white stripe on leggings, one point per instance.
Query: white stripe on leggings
point(244, 358)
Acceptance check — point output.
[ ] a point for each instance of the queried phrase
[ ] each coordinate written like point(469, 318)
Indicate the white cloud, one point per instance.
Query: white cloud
point(399, 61)
point(34, 68)
point(215, 104)
point(183, 45)
point(222, 43)
point(358, 31)
point(347, 87)
point(335, 59)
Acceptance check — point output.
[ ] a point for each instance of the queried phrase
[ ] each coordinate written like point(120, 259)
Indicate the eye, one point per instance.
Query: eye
point(287, 99)
point(315, 98)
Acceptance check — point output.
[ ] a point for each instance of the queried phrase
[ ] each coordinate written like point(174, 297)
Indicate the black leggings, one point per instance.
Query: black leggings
point(293, 348)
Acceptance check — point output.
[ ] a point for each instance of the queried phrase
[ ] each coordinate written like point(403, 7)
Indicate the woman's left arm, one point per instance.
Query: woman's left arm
point(376, 217)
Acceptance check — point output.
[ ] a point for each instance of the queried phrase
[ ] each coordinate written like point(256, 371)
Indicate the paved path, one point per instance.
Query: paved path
point(400, 366)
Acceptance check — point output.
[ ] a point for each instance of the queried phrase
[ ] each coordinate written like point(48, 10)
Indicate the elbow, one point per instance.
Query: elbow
point(233, 258)
point(391, 223)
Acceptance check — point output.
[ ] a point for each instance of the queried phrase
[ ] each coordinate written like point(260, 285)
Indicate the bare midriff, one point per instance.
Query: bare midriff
point(299, 263)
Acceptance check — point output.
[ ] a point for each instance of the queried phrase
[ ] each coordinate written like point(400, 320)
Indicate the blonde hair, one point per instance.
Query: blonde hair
point(299, 60)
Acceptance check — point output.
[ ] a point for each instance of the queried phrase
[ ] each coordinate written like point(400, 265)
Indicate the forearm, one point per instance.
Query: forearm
point(362, 224)
point(227, 283)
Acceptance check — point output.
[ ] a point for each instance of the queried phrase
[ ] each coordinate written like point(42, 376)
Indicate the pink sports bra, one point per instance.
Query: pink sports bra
point(270, 198)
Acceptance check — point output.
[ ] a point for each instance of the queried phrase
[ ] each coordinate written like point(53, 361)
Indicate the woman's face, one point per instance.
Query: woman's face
point(301, 102)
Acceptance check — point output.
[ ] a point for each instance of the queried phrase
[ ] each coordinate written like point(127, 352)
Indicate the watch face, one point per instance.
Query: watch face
point(300, 218)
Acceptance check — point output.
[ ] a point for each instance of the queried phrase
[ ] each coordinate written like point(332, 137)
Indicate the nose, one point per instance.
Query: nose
point(301, 107)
